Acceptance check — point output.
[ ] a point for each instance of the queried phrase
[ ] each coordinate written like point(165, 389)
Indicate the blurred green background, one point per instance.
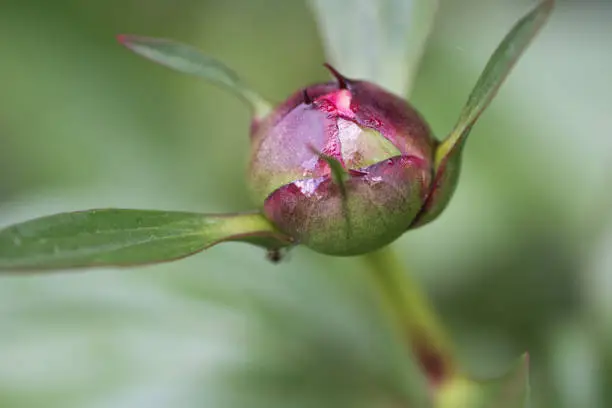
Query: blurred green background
point(521, 260)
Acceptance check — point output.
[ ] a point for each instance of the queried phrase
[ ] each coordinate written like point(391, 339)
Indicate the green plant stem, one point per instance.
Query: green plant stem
point(415, 314)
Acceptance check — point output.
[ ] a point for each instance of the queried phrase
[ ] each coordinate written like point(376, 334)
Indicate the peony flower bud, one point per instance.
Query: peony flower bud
point(383, 145)
point(346, 167)
point(343, 168)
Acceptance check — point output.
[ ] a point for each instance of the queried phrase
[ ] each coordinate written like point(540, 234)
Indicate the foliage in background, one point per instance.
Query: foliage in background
point(526, 304)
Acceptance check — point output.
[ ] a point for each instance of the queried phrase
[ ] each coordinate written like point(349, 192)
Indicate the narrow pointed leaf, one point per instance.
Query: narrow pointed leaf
point(497, 69)
point(116, 237)
point(187, 59)
point(377, 40)
point(448, 153)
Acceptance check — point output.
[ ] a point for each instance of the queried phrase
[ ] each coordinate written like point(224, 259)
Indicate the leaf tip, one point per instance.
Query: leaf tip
point(526, 357)
point(338, 172)
point(127, 40)
point(123, 39)
point(132, 41)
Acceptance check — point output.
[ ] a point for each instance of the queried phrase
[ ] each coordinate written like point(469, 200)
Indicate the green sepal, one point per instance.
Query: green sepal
point(339, 174)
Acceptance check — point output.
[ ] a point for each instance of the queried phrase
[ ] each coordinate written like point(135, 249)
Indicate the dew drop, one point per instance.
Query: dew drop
point(308, 187)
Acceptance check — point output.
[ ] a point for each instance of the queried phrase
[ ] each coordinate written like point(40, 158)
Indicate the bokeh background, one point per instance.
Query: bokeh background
point(521, 260)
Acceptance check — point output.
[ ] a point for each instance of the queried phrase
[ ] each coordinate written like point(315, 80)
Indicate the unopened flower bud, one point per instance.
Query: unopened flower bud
point(384, 146)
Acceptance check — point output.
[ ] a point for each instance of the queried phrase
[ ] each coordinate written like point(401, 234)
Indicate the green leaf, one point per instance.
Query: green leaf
point(497, 69)
point(448, 153)
point(115, 237)
point(187, 59)
point(377, 40)
point(510, 391)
